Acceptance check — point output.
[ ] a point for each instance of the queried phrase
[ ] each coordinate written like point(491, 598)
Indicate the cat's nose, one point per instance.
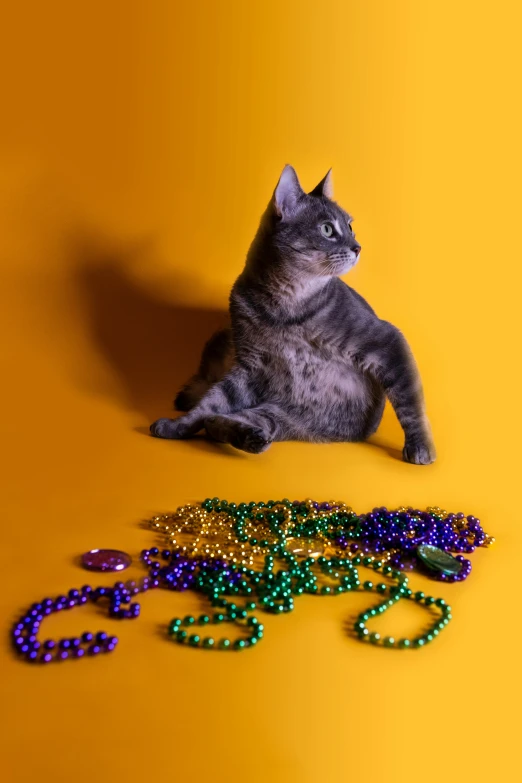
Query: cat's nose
point(357, 249)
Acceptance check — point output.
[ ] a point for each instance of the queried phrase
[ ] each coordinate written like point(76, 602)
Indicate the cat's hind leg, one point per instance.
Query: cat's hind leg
point(251, 430)
point(233, 393)
point(216, 360)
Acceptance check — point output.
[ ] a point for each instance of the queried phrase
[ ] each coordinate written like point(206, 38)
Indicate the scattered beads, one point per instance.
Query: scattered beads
point(260, 556)
point(24, 632)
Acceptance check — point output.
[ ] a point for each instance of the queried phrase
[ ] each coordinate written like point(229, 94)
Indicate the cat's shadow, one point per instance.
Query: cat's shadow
point(151, 344)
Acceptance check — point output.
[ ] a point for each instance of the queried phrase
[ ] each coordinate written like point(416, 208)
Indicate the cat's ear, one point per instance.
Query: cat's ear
point(325, 187)
point(288, 192)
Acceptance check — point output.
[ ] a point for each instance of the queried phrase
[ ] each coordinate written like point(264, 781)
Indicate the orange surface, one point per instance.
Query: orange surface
point(138, 146)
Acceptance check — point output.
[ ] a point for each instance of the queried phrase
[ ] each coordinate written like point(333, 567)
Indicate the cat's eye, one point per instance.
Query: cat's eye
point(327, 230)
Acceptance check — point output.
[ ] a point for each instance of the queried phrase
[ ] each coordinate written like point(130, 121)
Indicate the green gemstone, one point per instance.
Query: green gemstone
point(375, 638)
point(429, 600)
point(208, 641)
point(368, 585)
point(189, 620)
point(419, 595)
point(404, 644)
point(203, 619)
point(326, 590)
point(181, 636)
point(224, 643)
point(193, 639)
point(388, 641)
point(240, 644)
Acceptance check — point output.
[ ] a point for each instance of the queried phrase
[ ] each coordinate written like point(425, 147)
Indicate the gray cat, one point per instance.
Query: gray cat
point(306, 358)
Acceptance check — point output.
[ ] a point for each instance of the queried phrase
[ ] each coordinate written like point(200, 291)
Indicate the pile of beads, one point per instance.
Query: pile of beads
point(260, 557)
point(241, 534)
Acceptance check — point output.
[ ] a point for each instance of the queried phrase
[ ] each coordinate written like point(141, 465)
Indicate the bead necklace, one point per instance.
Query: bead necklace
point(266, 554)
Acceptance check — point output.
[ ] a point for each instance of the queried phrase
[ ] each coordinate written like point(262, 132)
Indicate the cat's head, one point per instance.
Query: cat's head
point(310, 229)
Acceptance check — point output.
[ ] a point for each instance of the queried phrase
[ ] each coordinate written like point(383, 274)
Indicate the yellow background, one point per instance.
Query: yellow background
point(139, 143)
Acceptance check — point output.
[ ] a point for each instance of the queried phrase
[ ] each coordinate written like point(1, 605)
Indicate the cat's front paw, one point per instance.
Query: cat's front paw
point(173, 429)
point(251, 440)
point(419, 453)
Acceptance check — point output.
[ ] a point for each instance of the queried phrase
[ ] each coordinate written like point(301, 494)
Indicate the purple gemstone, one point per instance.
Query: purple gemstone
point(106, 560)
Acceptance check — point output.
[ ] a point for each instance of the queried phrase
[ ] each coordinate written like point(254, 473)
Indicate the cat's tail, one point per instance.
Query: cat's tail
point(216, 360)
